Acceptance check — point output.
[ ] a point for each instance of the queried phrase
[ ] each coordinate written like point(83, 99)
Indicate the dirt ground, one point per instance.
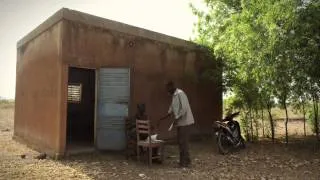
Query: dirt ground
point(264, 160)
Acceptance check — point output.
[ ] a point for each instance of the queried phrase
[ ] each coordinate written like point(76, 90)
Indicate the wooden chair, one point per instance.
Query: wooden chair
point(143, 127)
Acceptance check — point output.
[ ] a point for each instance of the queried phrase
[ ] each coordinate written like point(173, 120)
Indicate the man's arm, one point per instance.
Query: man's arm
point(166, 116)
point(175, 110)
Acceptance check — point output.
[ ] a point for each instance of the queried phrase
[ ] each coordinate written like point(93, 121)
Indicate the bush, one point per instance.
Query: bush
point(310, 119)
point(244, 127)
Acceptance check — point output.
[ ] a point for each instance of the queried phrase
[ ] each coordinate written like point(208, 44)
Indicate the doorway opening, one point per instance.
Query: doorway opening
point(80, 110)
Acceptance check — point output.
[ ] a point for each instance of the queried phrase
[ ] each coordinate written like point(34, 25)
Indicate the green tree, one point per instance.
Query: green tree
point(305, 43)
point(264, 43)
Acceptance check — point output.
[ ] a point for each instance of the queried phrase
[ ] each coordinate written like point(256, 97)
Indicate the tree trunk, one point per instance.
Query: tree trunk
point(315, 110)
point(317, 122)
point(271, 121)
point(286, 123)
point(257, 124)
point(262, 119)
point(304, 119)
point(251, 124)
point(247, 127)
point(316, 115)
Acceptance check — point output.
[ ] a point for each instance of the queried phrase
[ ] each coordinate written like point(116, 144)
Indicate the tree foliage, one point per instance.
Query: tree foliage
point(269, 50)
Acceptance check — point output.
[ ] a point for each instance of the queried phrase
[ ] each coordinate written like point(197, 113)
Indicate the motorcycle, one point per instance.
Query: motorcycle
point(228, 134)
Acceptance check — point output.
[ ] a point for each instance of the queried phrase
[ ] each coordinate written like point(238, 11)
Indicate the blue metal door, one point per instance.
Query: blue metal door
point(113, 100)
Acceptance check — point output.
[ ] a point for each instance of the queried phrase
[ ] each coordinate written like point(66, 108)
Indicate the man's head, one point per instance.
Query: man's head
point(141, 108)
point(171, 87)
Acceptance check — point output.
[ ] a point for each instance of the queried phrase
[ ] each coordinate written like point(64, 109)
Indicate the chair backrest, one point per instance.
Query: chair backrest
point(143, 127)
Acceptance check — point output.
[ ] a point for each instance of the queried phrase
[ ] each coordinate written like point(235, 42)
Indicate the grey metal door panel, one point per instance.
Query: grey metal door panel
point(113, 100)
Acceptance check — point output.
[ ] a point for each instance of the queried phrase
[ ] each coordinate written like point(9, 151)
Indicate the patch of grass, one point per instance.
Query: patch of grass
point(6, 104)
point(280, 113)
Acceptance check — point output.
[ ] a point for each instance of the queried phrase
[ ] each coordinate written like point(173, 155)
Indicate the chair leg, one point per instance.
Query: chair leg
point(162, 152)
point(138, 153)
point(150, 155)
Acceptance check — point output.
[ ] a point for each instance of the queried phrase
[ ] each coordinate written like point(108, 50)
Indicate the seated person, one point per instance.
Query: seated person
point(141, 115)
point(131, 130)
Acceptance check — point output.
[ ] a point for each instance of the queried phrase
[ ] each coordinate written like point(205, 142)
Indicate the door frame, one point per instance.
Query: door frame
point(66, 101)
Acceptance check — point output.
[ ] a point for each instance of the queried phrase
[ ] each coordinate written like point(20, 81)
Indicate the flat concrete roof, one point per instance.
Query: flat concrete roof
point(96, 21)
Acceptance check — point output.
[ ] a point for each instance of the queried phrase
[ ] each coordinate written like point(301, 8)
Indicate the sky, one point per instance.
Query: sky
point(19, 17)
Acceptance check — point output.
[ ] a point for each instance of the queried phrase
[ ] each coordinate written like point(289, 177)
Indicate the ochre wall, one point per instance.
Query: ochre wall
point(38, 91)
point(152, 64)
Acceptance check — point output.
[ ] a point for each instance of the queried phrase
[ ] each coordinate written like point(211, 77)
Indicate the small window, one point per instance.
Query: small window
point(74, 93)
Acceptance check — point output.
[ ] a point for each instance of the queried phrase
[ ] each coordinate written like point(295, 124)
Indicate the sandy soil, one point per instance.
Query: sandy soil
point(264, 160)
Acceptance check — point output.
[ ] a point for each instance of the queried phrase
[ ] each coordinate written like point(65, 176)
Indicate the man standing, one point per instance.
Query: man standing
point(183, 119)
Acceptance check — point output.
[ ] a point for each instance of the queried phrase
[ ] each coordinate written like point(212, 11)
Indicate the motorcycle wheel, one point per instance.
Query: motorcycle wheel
point(223, 144)
point(243, 144)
